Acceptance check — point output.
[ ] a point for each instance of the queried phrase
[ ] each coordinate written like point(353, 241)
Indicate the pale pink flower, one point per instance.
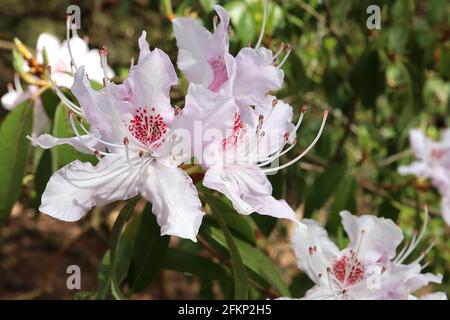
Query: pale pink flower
point(130, 131)
point(368, 268)
point(433, 162)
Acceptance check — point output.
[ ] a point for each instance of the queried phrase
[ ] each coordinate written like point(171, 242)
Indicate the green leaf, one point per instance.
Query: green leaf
point(50, 102)
point(104, 277)
point(42, 175)
point(324, 185)
point(239, 272)
point(14, 154)
point(254, 259)
point(115, 235)
point(65, 154)
point(238, 223)
point(344, 200)
point(190, 263)
point(149, 250)
point(243, 20)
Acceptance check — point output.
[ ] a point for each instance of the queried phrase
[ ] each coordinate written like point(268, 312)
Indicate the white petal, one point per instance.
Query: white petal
point(174, 199)
point(419, 143)
point(255, 76)
point(81, 143)
point(52, 47)
point(74, 189)
point(248, 189)
point(315, 252)
point(320, 293)
point(13, 98)
point(380, 239)
point(445, 207)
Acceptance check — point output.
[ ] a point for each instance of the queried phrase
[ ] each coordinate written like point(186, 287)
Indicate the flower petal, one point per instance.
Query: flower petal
point(82, 143)
point(315, 252)
point(255, 76)
point(198, 48)
point(248, 189)
point(174, 198)
point(52, 47)
point(380, 239)
point(74, 189)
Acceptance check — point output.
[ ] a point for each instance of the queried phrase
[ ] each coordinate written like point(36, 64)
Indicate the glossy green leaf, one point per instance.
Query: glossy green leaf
point(148, 253)
point(65, 154)
point(239, 272)
point(193, 264)
point(14, 154)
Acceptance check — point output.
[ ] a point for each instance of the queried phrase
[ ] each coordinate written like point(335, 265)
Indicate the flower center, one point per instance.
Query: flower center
point(237, 133)
point(148, 126)
point(220, 75)
point(348, 269)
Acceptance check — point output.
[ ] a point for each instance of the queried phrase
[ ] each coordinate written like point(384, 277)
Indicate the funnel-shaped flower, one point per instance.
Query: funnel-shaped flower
point(130, 131)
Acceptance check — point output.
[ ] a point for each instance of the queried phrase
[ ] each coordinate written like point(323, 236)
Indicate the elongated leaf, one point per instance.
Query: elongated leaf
point(65, 154)
point(239, 224)
point(323, 187)
point(239, 272)
point(255, 260)
point(42, 175)
point(13, 154)
point(188, 262)
point(149, 251)
point(344, 199)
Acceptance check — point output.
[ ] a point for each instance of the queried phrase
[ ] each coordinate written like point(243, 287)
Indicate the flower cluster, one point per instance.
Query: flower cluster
point(433, 162)
point(369, 268)
point(141, 140)
point(233, 129)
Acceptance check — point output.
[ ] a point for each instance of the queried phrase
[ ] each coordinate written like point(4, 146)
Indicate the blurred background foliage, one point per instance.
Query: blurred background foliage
point(377, 84)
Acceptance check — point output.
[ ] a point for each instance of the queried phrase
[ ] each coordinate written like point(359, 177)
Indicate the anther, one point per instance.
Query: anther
point(141, 153)
point(304, 108)
point(274, 102)
point(177, 111)
point(126, 141)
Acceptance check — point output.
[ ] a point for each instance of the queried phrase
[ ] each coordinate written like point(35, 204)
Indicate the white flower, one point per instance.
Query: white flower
point(132, 121)
point(368, 268)
point(433, 162)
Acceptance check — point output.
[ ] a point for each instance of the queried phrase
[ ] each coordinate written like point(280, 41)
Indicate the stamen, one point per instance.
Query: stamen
point(77, 110)
point(263, 28)
point(126, 142)
point(415, 241)
point(178, 110)
point(17, 83)
point(69, 28)
point(274, 102)
point(280, 49)
point(288, 52)
point(215, 21)
point(325, 115)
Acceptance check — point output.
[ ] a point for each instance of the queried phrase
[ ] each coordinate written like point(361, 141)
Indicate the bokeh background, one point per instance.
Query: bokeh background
point(377, 84)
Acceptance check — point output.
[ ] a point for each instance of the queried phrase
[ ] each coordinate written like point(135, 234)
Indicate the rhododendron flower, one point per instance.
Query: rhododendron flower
point(130, 131)
point(204, 59)
point(248, 139)
point(368, 268)
point(16, 95)
point(433, 162)
point(60, 56)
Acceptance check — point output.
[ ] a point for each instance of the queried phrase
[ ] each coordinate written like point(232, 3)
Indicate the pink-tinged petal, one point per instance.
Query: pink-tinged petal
point(52, 47)
point(255, 76)
point(401, 281)
point(248, 189)
point(206, 116)
point(419, 143)
point(85, 143)
point(13, 98)
point(174, 199)
point(419, 169)
point(445, 208)
point(109, 121)
point(201, 53)
point(74, 189)
point(377, 238)
point(315, 252)
point(320, 293)
point(150, 81)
